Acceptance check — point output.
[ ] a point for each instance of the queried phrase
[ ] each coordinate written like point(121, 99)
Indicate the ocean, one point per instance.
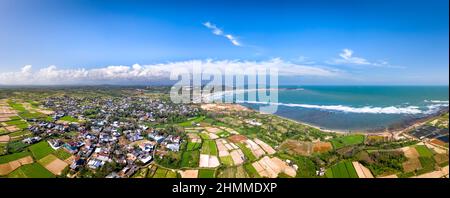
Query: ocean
point(357, 108)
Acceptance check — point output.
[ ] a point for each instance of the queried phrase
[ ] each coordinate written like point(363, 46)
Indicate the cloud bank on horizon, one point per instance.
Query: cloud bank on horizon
point(137, 73)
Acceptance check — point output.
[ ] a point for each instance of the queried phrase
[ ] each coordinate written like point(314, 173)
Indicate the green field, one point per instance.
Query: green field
point(69, 119)
point(343, 169)
point(16, 146)
point(423, 151)
point(164, 173)
point(19, 133)
point(233, 172)
point(190, 159)
point(160, 173)
point(34, 170)
point(227, 160)
point(347, 140)
point(209, 147)
point(47, 160)
point(206, 173)
point(204, 136)
point(427, 164)
point(18, 123)
point(16, 106)
point(61, 154)
point(251, 171)
point(247, 152)
point(28, 115)
point(14, 156)
point(189, 122)
point(141, 173)
point(3, 148)
point(3, 131)
point(40, 149)
point(193, 146)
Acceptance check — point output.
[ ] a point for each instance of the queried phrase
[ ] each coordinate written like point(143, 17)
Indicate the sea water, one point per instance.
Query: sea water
point(357, 108)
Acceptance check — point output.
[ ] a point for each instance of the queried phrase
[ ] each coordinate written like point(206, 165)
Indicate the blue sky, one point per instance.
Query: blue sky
point(360, 42)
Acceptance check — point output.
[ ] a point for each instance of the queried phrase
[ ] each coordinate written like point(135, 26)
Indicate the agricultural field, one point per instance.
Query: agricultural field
point(41, 149)
point(209, 148)
point(191, 146)
point(3, 131)
point(3, 148)
point(16, 146)
point(164, 173)
point(226, 160)
point(20, 124)
point(233, 172)
point(204, 136)
point(190, 159)
point(189, 122)
point(14, 156)
point(423, 151)
point(342, 169)
point(69, 119)
point(47, 160)
point(251, 171)
point(62, 154)
point(34, 170)
point(347, 140)
point(247, 152)
point(206, 173)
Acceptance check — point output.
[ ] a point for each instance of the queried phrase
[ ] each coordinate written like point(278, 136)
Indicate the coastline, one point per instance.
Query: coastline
point(395, 132)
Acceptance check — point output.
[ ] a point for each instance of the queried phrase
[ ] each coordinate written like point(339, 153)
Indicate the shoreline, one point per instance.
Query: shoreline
point(394, 132)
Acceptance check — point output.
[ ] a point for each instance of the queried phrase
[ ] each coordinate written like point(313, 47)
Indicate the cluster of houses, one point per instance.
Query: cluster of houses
point(110, 130)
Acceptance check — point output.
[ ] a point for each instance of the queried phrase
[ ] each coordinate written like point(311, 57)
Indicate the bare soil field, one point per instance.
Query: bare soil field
point(297, 147)
point(194, 138)
point(267, 148)
point(212, 129)
point(4, 138)
point(9, 167)
point(362, 171)
point(413, 162)
point(70, 160)
point(256, 150)
point(213, 136)
point(389, 176)
point(237, 138)
point(223, 151)
point(56, 166)
point(438, 142)
point(208, 161)
point(189, 173)
point(11, 128)
point(271, 167)
point(223, 107)
point(435, 174)
point(237, 156)
point(320, 147)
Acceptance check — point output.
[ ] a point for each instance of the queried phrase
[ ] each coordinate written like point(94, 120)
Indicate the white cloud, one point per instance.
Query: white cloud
point(217, 31)
point(150, 73)
point(347, 58)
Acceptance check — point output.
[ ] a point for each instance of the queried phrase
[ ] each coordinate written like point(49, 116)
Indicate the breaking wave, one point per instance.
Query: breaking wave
point(367, 109)
point(437, 101)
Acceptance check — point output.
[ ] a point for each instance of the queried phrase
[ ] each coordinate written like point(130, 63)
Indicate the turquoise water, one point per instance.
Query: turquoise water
point(354, 108)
